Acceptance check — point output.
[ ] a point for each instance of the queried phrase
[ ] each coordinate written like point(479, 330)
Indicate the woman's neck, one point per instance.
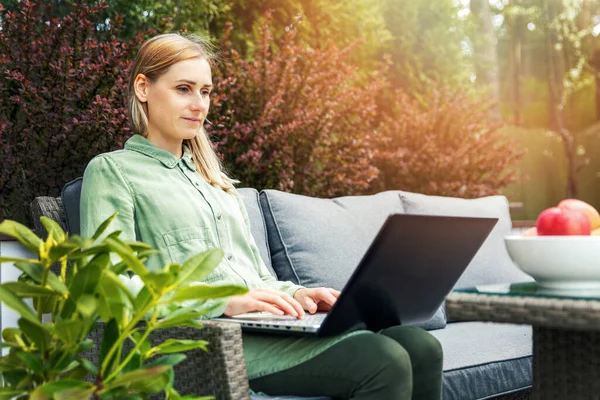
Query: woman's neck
point(173, 146)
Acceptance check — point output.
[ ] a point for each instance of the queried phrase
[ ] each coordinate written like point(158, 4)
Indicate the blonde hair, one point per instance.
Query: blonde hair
point(154, 58)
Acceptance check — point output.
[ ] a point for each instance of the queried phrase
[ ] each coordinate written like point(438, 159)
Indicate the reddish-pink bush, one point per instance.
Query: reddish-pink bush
point(445, 144)
point(61, 100)
point(295, 118)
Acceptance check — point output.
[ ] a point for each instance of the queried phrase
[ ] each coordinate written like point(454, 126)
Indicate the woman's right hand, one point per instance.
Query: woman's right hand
point(269, 300)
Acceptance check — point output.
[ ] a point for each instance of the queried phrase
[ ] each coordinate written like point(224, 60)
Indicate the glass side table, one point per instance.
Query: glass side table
point(566, 332)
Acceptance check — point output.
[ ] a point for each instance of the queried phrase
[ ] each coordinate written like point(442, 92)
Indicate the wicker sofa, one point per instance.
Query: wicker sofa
point(317, 242)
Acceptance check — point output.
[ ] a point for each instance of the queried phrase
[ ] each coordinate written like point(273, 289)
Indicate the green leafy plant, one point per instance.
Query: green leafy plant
point(46, 354)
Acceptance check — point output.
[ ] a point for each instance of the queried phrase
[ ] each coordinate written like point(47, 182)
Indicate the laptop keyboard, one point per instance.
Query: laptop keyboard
point(268, 318)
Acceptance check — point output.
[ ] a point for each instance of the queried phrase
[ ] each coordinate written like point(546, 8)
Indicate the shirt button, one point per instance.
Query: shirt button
point(219, 216)
point(229, 257)
point(196, 183)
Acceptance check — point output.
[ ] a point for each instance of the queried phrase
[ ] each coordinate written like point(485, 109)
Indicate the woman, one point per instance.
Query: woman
point(171, 192)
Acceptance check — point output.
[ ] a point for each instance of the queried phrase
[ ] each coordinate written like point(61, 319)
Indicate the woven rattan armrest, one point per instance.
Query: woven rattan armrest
point(220, 372)
point(50, 207)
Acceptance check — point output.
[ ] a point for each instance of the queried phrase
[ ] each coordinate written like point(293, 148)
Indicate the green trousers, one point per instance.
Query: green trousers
point(398, 363)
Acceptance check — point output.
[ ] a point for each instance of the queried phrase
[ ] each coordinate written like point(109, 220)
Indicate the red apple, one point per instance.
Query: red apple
point(591, 212)
point(555, 221)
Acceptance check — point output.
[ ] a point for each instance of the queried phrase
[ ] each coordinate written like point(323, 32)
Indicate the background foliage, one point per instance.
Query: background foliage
point(61, 100)
point(279, 123)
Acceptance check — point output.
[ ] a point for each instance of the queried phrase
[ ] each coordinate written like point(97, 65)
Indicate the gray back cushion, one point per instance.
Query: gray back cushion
point(257, 224)
point(491, 264)
point(319, 242)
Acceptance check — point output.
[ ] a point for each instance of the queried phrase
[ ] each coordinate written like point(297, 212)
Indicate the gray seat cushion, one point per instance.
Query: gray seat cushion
point(491, 264)
point(319, 242)
point(257, 224)
point(483, 360)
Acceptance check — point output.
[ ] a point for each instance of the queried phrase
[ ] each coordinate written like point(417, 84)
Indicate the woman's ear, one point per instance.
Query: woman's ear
point(140, 86)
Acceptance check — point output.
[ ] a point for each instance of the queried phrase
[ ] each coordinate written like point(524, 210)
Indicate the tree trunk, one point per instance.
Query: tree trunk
point(485, 51)
point(513, 23)
point(556, 72)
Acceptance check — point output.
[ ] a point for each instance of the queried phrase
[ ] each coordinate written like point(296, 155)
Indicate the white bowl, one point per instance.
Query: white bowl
point(558, 262)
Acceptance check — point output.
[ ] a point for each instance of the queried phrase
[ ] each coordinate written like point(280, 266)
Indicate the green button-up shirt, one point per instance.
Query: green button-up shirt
point(165, 202)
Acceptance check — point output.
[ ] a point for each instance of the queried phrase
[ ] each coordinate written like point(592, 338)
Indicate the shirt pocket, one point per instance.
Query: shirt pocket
point(187, 242)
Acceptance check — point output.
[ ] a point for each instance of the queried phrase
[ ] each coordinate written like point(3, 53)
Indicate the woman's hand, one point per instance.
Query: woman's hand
point(316, 299)
point(269, 300)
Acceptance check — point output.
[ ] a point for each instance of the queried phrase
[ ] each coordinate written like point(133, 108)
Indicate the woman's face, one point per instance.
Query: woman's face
point(178, 100)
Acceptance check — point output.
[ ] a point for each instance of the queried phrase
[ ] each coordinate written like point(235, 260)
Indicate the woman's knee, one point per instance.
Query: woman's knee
point(421, 345)
point(389, 367)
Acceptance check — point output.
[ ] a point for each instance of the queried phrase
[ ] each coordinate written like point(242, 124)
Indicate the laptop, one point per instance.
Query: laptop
point(403, 278)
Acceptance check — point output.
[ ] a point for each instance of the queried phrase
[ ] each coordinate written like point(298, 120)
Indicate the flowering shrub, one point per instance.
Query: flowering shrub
point(445, 144)
point(61, 100)
point(294, 118)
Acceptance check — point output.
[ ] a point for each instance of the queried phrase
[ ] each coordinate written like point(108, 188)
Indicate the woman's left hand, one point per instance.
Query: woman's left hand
point(316, 299)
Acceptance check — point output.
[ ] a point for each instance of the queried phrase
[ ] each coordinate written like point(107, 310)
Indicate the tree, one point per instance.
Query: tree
point(485, 58)
point(427, 46)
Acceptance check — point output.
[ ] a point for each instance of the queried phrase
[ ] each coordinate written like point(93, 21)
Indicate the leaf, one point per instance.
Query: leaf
point(111, 335)
point(36, 272)
point(36, 333)
point(45, 304)
point(52, 227)
point(87, 305)
point(69, 307)
point(206, 292)
point(68, 330)
point(61, 359)
point(24, 289)
point(171, 359)
point(119, 268)
point(12, 335)
point(32, 362)
point(75, 394)
point(146, 376)
point(134, 363)
point(140, 246)
point(91, 368)
point(8, 393)
point(62, 249)
point(158, 280)
point(111, 296)
point(177, 345)
point(22, 233)
point(114, 287)
point(127, 255)
point(176, 318)
point(90, 251)
point(51, 388)
point(143, 299)
point(17, 259)
point(13, 301)
point(79, 372)
point(15, 378)
point(199, 266)
point(100, 230)
point(86, 280)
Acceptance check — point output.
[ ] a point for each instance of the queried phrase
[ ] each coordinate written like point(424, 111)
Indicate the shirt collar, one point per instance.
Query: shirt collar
point(142, 145)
